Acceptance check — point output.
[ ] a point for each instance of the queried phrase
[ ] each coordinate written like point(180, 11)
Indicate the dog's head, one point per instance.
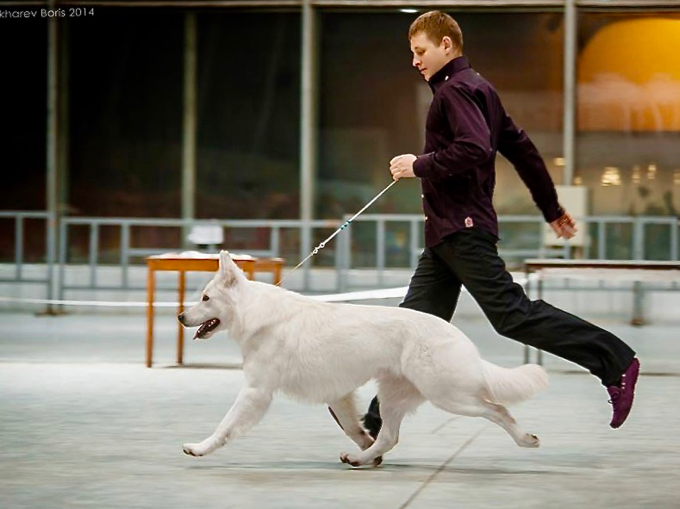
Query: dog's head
point(213, 312)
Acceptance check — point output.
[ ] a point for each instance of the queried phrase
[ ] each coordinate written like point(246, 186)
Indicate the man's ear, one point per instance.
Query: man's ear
point(447, 43)
point(227, 268)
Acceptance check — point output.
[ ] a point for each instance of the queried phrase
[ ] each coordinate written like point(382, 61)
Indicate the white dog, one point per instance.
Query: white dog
point(321, 353)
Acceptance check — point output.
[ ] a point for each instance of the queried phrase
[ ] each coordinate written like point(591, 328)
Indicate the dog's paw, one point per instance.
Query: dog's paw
point(206, 447)
point(530, 440)
point(203, 448)
point(194, 450)
point(350, 459)
point(353, 460)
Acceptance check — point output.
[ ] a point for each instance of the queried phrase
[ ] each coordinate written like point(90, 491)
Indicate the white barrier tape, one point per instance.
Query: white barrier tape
point(386, 293)
point(93, 303)
point(338, 297)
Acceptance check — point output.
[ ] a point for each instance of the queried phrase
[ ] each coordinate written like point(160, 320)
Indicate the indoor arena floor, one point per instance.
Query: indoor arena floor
point(84, 424)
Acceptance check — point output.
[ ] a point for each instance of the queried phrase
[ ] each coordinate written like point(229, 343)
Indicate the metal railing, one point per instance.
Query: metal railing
point(522, 237)
point(128, 251)
point(595, 244)
point(19, 217)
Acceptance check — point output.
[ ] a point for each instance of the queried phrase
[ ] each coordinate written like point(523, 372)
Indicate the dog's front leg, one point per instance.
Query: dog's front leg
point(249, 407)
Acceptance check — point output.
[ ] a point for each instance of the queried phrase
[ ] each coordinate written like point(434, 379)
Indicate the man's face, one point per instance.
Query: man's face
point(429, 57)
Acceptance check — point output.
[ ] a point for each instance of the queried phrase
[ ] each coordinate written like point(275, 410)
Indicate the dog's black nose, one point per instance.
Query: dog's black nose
point(180, 317)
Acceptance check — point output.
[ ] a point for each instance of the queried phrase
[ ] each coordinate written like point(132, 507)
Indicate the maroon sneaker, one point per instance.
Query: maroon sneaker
point(622, 396)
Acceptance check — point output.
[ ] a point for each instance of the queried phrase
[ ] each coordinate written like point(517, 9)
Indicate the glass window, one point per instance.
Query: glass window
point(369, 112)
point(23, 144)
point(24, 113)
point(125, 121)
point(125, 113)
point(629, 112)
point(522, 55)
point(629, 121)
point(248, 115)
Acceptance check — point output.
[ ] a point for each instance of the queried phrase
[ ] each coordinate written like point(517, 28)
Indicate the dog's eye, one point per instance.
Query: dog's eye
point(205, 298)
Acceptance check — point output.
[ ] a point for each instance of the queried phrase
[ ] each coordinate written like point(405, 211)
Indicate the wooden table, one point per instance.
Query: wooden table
point(630, 270)
point(195, 263)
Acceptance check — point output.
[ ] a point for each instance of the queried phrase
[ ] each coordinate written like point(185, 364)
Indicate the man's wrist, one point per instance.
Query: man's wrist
point(554, 214)
point(421, 164)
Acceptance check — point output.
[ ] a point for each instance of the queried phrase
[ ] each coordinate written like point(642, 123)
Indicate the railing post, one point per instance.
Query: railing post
point(347, 256)
point(414, 244)
point(541, 245)
point(63, 242)
point(51, 230)
point(527, 291)
point(601, 240)
point(305, 249)
point(124, 257)
point(94, 243)
point(380, 246)
point(638, 304)
point(340, 253)
point(18, 245)
point(639, 239)
point(275, 240)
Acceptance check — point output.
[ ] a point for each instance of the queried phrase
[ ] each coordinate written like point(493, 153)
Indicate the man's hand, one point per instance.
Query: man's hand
point(565, 226)
point(402, 166)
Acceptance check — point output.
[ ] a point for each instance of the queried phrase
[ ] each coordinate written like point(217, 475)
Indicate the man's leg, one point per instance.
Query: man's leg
point(473, 257)
point(433, 289)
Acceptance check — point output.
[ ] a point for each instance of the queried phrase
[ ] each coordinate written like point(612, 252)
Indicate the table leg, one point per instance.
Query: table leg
point(277, 274)
point(527, 290)
point(539, 287)
point(149, 316)
point(638, 309)
point(180, 328)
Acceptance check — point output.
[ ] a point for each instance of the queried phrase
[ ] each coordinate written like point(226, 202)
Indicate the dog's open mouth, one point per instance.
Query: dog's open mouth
point(205, 327)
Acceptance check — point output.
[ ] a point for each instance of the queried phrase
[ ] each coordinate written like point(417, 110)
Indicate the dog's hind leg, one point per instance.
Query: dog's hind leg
point(397, 397)
point(473, 406)
point(249, 407)
point(345, 413)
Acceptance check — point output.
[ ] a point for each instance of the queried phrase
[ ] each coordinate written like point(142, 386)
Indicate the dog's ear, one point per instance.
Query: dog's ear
point(228, 269)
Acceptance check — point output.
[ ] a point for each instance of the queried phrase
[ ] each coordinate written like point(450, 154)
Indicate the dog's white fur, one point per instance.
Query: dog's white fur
point(321, 353)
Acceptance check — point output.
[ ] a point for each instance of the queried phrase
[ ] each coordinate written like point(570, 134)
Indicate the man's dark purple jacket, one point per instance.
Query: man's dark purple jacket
point(466, 126)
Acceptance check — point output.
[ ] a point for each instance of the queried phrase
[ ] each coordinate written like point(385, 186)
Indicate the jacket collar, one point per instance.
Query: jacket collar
point(451, 68)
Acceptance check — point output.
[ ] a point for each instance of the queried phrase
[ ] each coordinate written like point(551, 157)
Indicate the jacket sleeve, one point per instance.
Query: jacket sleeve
point(471, 144)
point(516, 146)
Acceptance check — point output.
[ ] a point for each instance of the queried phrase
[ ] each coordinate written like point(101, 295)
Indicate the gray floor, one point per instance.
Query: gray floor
point(84, 424)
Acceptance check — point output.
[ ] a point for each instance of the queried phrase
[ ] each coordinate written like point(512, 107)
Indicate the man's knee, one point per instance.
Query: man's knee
point(509, 324)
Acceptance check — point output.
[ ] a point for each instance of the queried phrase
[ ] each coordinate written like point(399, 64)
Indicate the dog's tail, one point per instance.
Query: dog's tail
point(509, 386)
